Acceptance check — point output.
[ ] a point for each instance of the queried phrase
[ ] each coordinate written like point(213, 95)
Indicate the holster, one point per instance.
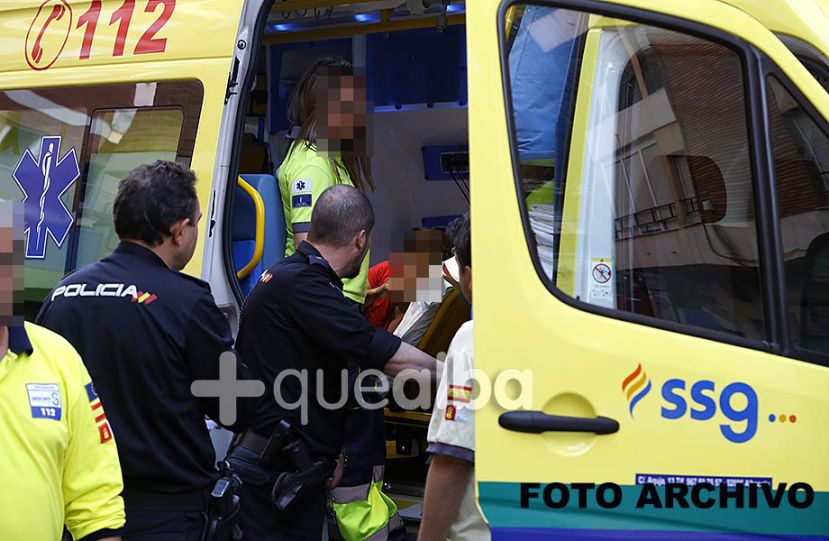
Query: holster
point(223, 508)
point(287, 452)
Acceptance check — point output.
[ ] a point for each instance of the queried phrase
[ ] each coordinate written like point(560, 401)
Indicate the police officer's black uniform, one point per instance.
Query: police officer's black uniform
point(297, 318)
point(145, 333)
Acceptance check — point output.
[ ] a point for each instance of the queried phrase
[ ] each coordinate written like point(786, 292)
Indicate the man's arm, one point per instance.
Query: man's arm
point(445, 485)
point(409, 357)
point(207, 337)
point(92, 481)
point(376, 293)
point(338, 326)
point(452, 444)
point(299, 237)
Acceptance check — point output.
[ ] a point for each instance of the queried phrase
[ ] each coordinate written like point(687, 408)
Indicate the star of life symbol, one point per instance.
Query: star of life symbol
point(43, 182)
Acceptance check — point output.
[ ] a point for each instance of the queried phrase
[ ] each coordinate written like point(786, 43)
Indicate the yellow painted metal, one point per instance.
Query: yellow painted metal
point(299, 5)
point(361, 29)
point(190, 19)
point(259, 242)
point(570, 225)
point(579, 359)
point(185, 58)
point(805, 19)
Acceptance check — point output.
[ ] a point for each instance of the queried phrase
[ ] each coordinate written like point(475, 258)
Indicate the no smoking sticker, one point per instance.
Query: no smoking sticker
point(601, 284)
point(601, 273)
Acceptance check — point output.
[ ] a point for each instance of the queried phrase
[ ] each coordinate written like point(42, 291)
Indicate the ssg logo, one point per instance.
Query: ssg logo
point(636, 386)
point(43, 182)
point(738, 402)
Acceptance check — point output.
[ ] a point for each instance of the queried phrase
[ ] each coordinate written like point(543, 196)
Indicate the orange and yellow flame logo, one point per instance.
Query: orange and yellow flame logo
point(636, 386)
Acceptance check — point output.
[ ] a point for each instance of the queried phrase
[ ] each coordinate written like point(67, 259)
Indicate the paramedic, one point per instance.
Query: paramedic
point(60, 465)
point(329, 106)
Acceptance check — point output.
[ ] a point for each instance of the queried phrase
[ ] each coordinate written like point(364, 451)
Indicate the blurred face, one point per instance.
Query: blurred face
point(11, 264)
point(417, 274)
point(342, 114)
point(185, 236)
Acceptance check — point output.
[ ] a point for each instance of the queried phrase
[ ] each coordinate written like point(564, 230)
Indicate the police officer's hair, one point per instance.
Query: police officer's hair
point(151, 198)
point(459, 232)
point(340, 213)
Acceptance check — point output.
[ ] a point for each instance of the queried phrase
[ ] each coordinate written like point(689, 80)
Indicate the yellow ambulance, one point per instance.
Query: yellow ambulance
point(650, 217)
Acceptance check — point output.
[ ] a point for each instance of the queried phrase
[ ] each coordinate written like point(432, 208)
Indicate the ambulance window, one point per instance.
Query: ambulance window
point(634, 165)
point(120, 141)
point(801, 165)
point(74, 144)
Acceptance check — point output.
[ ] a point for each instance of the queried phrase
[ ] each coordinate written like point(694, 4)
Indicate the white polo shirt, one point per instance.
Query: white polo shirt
point(452, 430)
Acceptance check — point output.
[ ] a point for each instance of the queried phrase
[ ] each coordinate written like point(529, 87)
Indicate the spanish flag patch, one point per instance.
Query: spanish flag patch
point(460, 393)
point(104, 431)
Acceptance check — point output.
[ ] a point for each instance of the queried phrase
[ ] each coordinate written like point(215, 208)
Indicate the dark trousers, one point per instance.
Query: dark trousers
point(365, 445)
point(163, 525)
point(259, 518)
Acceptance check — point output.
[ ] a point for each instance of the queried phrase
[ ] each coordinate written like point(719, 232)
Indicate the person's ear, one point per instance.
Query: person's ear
point(177, 230)
point(360, 240)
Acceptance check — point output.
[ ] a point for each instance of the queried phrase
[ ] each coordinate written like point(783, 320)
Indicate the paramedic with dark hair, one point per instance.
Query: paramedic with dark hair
point(146, 332)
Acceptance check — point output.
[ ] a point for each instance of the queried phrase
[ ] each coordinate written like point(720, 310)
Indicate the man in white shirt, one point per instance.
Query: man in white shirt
point(449, 508)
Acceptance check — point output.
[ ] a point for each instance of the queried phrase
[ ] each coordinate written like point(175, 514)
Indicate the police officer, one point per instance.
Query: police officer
point(299, 334)
point(146, 332)
point(59, 463)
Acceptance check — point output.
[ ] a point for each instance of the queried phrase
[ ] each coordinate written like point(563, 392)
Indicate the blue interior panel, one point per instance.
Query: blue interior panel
point(417, 67)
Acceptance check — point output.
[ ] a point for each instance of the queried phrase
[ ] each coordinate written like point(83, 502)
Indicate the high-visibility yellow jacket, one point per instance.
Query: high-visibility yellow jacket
point(58, 460)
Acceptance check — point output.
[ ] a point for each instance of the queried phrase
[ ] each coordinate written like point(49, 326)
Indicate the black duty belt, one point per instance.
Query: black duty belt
point(253, 442)
point(184, 501)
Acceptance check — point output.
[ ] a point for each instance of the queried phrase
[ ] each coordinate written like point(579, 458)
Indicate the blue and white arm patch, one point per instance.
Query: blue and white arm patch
point(302, 185)
point(45, 400)
point(301, 200)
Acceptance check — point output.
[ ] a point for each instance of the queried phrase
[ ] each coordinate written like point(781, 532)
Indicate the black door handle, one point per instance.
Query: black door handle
point(536, 422)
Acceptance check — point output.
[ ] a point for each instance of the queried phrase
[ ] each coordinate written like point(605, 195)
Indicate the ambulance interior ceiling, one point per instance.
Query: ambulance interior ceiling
point(416, 81)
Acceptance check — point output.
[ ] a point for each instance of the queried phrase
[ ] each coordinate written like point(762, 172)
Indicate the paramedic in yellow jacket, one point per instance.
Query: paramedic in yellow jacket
point(329, 107)
point(58, 465)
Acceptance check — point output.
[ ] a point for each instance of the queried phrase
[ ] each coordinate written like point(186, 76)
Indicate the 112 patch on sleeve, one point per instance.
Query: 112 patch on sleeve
point(45, 400)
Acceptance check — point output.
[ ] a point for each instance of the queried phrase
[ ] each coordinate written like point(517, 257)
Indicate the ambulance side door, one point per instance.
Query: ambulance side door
point(650, 224)
point(89, 91)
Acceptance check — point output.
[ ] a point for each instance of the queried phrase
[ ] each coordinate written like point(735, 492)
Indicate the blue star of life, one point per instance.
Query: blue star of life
point(43, 182)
